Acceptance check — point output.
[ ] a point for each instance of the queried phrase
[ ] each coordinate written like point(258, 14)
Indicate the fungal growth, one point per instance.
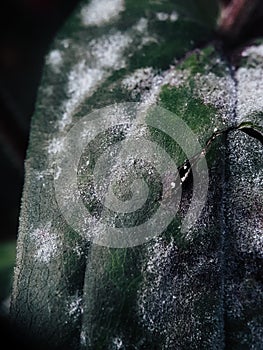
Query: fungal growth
point(193, 289)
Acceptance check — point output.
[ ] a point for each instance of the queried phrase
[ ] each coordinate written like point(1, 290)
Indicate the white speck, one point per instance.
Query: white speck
point(174, 16)
point(99, 12)
point(161, 16)
point(215, 129)
point(78, 250)
point(57, 174)
point(40, 175)
point(45, 243)
point(118, 343)
point(54, 59)
point(173, 184)
point(141, 25)
point(56, 146)
point(184, 178)
point(83, 341)
point(65, 43)
point(75, 306)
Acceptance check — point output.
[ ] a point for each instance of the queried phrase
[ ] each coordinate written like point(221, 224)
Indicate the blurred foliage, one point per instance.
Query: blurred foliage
point(7, 262)
point(203, 11)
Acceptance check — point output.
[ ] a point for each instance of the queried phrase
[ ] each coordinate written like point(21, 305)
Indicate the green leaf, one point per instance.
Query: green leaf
point(198, 289)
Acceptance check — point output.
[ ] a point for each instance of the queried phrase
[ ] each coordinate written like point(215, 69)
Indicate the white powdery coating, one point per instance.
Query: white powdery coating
point(170, 291)
point(139, 80)
point(245, 194)
point(56, 146)
point(54, 59)
point(170, 77)
point(99, 12)
point(158, 257)
point(82, 79)
point(217, 91)
point(81, 83)
point(45, 243)
point(252, 242)
point(146, 83)
point(253, 51)
point(249, 91)
point(108, 51)
point(105, 54)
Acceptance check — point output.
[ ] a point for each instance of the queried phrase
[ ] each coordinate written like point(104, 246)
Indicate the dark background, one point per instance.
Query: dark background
point(27, 28)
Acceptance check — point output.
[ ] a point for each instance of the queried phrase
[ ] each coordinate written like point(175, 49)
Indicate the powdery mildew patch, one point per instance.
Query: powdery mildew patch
point(56, 146)
point(165, 297)
point(253, 51)
point(218, 92)
point(54, 59)
point(246, 184)
point(45, 243)
point(106, 54)
point(99, 12)
point(249, 83)
point(249, 92)
point(148, 84)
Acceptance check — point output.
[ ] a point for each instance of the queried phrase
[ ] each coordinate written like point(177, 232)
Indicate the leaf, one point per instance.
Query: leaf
point(252, 130)
point(182, 289)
